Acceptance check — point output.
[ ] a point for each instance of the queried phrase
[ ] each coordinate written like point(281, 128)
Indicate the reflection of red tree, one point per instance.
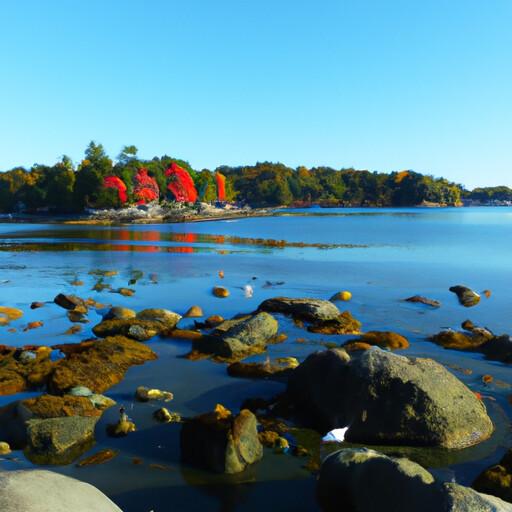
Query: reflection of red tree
point(189, 238)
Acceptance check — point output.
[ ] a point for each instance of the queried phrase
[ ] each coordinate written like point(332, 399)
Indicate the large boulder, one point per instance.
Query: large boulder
point(363, 480)
point(240, 338)
point(385, 398)
point(220, 441)
point(46, 491)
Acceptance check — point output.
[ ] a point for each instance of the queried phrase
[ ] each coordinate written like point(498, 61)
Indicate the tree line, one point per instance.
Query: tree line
point(64, 188)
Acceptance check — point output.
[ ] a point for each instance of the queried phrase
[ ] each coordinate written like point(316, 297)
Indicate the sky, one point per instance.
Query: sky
point(382, 85)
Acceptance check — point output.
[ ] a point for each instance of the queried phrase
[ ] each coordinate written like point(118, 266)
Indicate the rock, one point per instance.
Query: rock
point(144, 394)
point(250, 335)
point(20, 375)
point(194, 312)
point(363, 480)
point(497, 480)
point(221, 442)
point(185, 334)
point(213, 320)
point(343, 296)
point(10, 314)
point(80, 391)
point(309, 310)
point(487, 294)
point(466, 296)
point(344, 324)
point(99, 365)
point(36, 305)
point(27, 356)
point(168, 319)
point(393, 399)
point(74, 329)
point(70, 302)
point(98, 458)
point(118, 313)
point(220, 291)
point(59, 440)
point(76, 282)
point(424, 300)
point(122, 428)
point(498, 348)
point(125, 292)
point(460, 340)
point(51, 406)
point(77, 317)
point(27, 490)
point(5, 449)
point(383, 339)
point(103, 273)
point(280, 368)
point(165, 416)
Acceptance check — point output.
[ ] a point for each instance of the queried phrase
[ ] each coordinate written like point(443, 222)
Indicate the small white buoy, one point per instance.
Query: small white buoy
point(248, 291)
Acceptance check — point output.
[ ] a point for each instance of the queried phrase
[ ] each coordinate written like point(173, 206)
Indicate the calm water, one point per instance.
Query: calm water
point(382, 256)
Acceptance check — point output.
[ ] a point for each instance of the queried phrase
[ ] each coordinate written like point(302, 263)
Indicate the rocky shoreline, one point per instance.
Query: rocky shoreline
point(358, 392)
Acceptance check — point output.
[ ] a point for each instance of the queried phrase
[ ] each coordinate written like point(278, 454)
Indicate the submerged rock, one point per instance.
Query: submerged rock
point(280, 368)
point(363, 480)
point(383, 339)
point(119, 313)
point(26, 490)
point(122, 428)
point(241, 338)
point(309, 310)
point(99, 364)
point(467, 297)
point(220, 292)
point(194, 312)
point(392, 399)
point(165, 416)
point(220, 441)
point(497, 480)
point(419, 299)
point(460, 340)
point(144, 394)
point(70, 302)
point(98, 458)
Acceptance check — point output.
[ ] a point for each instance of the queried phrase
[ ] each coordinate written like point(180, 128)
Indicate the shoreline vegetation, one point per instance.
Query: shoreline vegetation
point(102, 190)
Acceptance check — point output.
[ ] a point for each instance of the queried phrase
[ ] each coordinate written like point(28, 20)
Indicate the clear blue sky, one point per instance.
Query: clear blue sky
point(375, 84)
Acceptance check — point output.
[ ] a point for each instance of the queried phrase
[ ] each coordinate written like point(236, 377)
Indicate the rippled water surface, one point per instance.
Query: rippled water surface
point(381, 256)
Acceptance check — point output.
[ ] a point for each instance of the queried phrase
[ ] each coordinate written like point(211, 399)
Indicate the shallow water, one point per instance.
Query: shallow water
point(381, 256)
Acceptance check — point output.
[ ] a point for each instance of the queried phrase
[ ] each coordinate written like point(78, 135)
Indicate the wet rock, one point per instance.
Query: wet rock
point(103, 273)
point(393, 399)
point(345, 323)
point(134, 328)
point(121, 429)
point(250, 335)
point(467, 297)
point(344, 296)
point(280, 368)
point(119, 313)
point(36, 305)
point(80, 391)
point(419, 299)
point(8, 314)
point(487, 294)
point(20, 375)
point(74, 329)
point(498, 348)
point(70, 302)
point(59, 440)
point(185, 334)
point(220, 441)
point(221, 292)
point(213, 320)
point(144, 394)
point(383, 339)
point(26, 490)
point(125, 292)
point(168, 319)
point(497, 480)
point(51, 406)
point(5, 449)
point(309, 310)
point(77, 317)
point(363, 480)
point(461, 340)
point(99, 365)
point(194, 312)
point(165, 416)
point(99, 458)
point(76, 282)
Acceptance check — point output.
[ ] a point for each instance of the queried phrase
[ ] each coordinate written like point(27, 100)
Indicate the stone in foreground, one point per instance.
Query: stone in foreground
point(220, 441)
point(497, 480)
point(41, 491)
point(363, 480)
point(385, 398)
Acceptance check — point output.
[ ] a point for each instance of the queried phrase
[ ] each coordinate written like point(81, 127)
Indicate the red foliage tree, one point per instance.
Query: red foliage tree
point(118, 184)
point(181, 184)
point(221, 186)
point(145, 187)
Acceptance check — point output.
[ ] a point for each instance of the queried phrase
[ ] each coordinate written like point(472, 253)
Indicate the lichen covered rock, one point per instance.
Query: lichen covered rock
point(383, 339)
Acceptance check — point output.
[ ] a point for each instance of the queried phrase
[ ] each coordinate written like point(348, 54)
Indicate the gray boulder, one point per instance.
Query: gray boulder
point(385, 398)
point(45, 491)
point(59, 440)
point(363, 480)
point(241, 338)
point(310, 310)
point(221, 442)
